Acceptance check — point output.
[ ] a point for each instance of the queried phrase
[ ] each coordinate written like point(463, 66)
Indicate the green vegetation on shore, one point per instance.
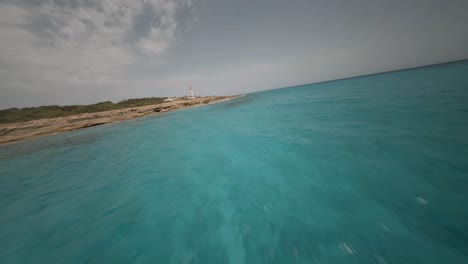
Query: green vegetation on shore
point(14, 115)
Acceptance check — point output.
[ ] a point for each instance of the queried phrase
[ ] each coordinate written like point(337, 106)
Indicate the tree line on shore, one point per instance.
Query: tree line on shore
point(14, 115)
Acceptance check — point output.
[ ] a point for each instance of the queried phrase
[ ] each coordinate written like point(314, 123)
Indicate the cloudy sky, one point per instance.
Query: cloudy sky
point(85, 51)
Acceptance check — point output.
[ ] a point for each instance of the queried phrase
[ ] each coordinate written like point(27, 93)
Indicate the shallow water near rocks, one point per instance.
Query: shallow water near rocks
point(365, 170)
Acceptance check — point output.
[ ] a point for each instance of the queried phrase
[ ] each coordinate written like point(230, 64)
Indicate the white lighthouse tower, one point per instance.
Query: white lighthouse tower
point(191, 92)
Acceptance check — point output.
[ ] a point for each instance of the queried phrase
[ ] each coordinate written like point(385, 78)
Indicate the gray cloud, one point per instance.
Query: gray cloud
point(80, 44)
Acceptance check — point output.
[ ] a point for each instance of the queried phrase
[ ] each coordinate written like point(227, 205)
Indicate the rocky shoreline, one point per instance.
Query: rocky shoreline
point(41, 127)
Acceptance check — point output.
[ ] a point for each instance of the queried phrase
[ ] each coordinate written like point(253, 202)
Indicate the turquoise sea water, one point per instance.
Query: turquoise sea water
point(365, 170)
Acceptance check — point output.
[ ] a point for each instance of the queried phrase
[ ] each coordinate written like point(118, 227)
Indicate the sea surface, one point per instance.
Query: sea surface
point(365, 170)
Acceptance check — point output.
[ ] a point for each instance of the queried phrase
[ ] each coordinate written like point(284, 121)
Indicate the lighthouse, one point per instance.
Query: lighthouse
point(191, 92)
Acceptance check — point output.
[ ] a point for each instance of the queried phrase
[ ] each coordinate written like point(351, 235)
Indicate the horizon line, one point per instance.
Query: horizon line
point(366, 75)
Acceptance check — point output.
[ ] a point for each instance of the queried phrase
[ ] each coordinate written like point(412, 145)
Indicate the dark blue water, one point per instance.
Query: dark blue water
point(366, 170)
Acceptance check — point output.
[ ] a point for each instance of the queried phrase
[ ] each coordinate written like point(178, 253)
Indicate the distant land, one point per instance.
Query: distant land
point(30, 122)
point(14, 115)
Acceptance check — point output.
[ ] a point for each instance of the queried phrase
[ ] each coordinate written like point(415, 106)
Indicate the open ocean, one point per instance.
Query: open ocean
point(365, 170)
